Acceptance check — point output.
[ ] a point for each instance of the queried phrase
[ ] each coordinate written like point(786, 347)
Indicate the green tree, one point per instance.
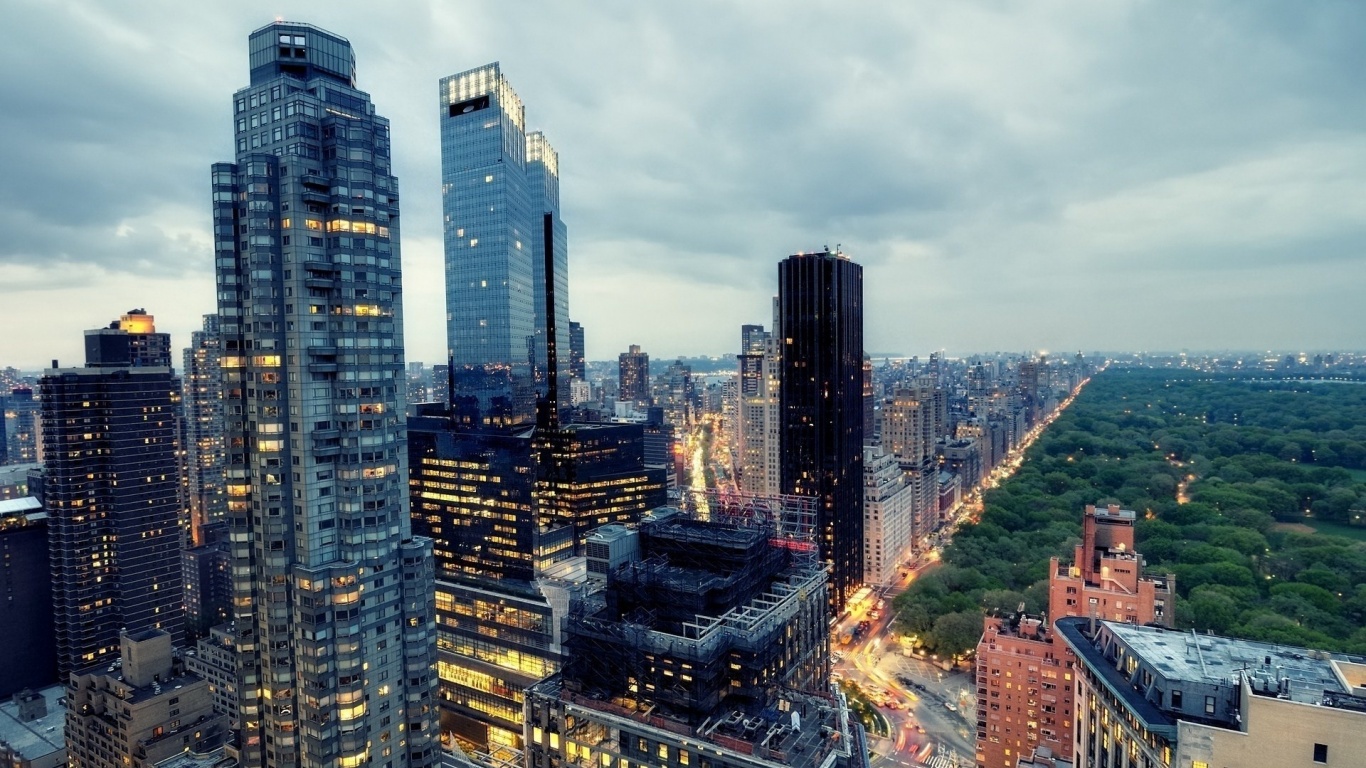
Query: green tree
point(956, 633)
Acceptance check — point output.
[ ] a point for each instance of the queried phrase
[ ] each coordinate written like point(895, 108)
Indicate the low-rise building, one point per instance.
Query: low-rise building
point(141, 709)
point(1025, 696)
point(32, 729)
point(214, 658)
point(1149, 696)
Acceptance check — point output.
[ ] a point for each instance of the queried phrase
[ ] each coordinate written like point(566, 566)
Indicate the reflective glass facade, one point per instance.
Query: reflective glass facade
point(506, 248)
point(820, 306)
point(333, 596)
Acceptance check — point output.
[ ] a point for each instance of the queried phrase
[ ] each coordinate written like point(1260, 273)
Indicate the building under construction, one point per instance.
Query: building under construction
point(712, 632)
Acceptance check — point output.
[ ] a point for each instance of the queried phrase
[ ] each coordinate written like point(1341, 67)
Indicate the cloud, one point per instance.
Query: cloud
point(997, 168)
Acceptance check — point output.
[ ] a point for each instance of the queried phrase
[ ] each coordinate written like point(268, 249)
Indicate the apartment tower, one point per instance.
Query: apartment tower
point(333, 606)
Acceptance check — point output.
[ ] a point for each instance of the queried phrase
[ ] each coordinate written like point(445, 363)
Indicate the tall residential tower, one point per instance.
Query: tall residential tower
point(111, 435)
point(333, 604)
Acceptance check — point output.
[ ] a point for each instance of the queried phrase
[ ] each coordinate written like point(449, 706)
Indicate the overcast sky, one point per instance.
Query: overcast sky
point(1039, 175)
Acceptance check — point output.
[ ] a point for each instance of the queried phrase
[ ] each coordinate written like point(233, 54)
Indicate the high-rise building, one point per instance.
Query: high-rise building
point(500, 521)
point(205, 451)
point(909, 433)
point(888, 516)
point(1025, 685)
point(26, 641)
point(590, 475)
point(507, 268)
point(472, 493)
point(1152, 696)
point(215, 661)
point(577, 364)
point(4, 429)
point(111, 433)
point(633, 375)
point(820, 296)
point(23, 439)
point(142, 711)
point(708, 645)
point(333, 604)
point(208, 579)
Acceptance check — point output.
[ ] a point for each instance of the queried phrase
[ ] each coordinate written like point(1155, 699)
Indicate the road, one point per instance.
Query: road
point(912, 693)
point(930, 710)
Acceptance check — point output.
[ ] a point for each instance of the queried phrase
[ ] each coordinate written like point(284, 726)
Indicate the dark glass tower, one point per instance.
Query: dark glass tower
point(333, 604)
point(112, 490)
point(577, 365)
point(820, 305)
point(501, 196)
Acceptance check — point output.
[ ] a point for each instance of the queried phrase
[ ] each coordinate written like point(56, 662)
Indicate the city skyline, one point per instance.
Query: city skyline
point(1191, 176)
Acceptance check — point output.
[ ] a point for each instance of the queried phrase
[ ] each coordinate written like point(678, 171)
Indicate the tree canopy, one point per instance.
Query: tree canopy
point(1224, 474)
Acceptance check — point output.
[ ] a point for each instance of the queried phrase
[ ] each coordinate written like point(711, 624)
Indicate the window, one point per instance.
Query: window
point(1320, 753)
point(1209, 705)
point(1176, 699)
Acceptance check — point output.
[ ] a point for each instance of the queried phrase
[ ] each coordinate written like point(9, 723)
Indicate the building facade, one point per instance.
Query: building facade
point(633, 375)
point(1150, 696)
point(820, 297)
point(205, 450)
point(888, 517)
point(708, 645)
point(23, 438)
point(26, 628)
point(113, 495)
point(577, 365)
point(332, 606)
point(141, 711)
point(1025, 685)
point(507, 268)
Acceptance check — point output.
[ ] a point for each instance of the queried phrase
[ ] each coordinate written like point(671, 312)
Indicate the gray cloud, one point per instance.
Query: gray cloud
point(1002, 171)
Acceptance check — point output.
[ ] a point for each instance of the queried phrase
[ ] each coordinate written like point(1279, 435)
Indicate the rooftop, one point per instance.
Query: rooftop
point(800, 732)
point(1207, 662)
point(35, 738)
point(1187, 656)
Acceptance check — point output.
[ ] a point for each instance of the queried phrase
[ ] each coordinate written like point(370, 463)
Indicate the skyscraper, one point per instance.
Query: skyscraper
point(204, 447)
point(820, 297)
point(577, 366)
point(23, 439)
point(506, 248)
point(633, 375)
point(112, 490)
point(333, 603)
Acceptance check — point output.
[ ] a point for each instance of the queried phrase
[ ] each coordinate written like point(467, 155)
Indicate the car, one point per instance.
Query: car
point(950, 707)
point(875, 615)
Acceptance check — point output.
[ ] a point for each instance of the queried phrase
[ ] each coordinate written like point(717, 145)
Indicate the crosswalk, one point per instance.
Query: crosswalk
point(947, 757)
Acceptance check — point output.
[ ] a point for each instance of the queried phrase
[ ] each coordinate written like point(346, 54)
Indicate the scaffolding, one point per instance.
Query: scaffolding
point(791, 520)
point(713, 612)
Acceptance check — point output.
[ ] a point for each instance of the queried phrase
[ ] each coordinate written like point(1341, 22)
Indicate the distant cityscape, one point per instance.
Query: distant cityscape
point(290, 545)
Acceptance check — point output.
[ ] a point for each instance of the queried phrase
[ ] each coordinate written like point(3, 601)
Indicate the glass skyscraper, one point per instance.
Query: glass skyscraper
point(333, 597)
point(507, 266)
point(820, 322)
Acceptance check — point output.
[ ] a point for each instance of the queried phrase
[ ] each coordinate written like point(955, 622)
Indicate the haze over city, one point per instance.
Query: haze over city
point(1063, 176)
